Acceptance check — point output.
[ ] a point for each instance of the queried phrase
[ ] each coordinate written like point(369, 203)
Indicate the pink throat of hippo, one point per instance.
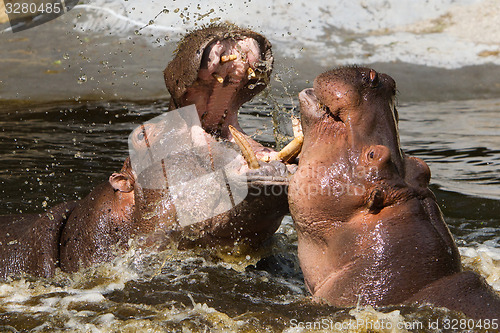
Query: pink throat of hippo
point(227, 68)
point(218, 69)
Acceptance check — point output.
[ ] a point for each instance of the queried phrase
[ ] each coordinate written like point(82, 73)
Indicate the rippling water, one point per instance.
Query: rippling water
point(72, 90)
point(59, 152)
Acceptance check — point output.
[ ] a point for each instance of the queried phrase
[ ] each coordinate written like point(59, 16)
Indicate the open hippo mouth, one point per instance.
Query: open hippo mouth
point(218, 69)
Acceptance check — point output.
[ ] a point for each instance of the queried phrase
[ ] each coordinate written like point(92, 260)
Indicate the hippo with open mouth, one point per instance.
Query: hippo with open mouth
point(218, 69)
point(369, 229)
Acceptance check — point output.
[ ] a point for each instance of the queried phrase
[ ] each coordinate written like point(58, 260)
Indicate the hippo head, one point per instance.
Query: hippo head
point(358, 201)
point(351, 146)
point(197, 190)
point(219, 68)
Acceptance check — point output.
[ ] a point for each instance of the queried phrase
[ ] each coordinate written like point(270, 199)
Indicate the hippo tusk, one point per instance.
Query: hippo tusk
point(291, 150)
point(297, 127)
point(246, 149)
point(226, 58)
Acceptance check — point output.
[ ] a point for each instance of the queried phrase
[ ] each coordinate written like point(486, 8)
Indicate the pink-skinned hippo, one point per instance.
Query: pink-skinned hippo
point(369, 229)
point(218, 69)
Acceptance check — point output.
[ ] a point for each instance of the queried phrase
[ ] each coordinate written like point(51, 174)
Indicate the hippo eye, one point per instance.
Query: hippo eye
point(140, 135)
point(371, 154)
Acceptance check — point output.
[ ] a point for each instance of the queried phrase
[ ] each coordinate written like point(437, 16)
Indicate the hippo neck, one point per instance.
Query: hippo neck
point(366, 251)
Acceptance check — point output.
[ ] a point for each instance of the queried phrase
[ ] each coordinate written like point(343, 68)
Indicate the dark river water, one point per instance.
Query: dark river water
point(73, 89)
point(58, 151)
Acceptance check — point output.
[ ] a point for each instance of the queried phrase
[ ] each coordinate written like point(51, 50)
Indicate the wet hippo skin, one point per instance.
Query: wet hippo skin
point(218, 68)
point(197, 75)
point(28, 241)
point(100, 223)
point(369, 229)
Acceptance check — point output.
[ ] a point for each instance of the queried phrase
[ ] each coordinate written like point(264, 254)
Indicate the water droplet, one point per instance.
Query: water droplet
point(82, 79)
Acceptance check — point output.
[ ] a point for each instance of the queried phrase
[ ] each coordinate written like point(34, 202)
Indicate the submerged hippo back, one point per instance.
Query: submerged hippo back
point(29, 243)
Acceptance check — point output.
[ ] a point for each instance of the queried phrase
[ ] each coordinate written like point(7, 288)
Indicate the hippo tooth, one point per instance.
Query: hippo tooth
point(251, 73)
point(218, 77)
point(292, 149)
point(297, 127)
point(226, 58)
point(246, 149)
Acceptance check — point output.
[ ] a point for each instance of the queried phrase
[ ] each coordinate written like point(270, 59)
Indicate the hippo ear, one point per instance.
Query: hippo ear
point(121, 182)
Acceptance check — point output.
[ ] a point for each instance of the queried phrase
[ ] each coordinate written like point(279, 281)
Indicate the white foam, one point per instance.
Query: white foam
point(485, 260)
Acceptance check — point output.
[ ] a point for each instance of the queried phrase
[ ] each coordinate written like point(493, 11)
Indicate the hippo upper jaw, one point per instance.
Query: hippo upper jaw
point(219, 68)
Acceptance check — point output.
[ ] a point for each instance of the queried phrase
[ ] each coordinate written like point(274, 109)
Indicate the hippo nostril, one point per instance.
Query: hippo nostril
point(329, 112)
point(376, 200)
